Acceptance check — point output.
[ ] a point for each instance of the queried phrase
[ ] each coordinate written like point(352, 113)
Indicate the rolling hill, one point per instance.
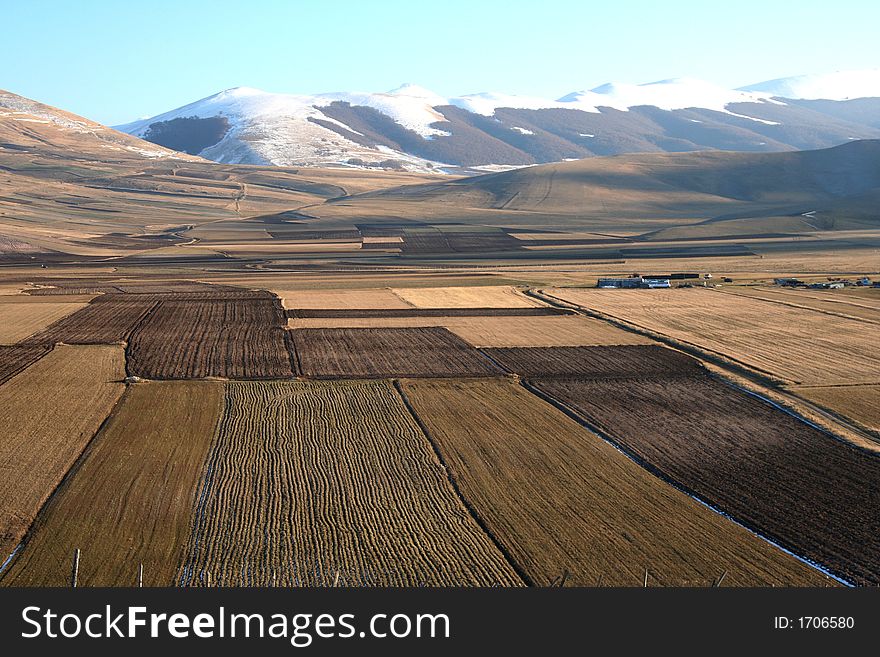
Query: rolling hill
point(727, 194)
point(72, 186)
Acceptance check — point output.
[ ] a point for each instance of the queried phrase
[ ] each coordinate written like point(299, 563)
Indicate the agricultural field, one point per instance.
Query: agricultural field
point(487, 296)
point(600, 362)
point(496, 331)
point(48, 414)
point(792, 345)
point(840, 302)
point(19, 320)
point(808, 491)
point(330, 483)
point(561, 500)
point(107, 319)
point(380, 298)
point(385, 353)
point(859, 403)
point(574, 331)
point(131, 500)
point(14, 358)
point(235, 338)
point(373, 313)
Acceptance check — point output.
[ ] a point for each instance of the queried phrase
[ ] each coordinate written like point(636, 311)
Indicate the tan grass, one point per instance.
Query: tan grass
point(791, 344)
point(19, 320)
point(341, 299)
point(132, 500)
point(488, 296)
point(48, 414)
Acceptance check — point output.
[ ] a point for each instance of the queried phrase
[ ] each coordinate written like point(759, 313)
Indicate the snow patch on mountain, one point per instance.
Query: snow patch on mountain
point(673, 94)
point(840, 85)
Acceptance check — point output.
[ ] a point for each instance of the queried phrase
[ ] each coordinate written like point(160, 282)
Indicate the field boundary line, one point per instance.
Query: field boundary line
point(660, 474)
point(734, 367)
point(71, 471)
point(455, 487)
point(28, 364)
point(792, 304)
point(798, 416)
point(722, 360)
point(133, 330)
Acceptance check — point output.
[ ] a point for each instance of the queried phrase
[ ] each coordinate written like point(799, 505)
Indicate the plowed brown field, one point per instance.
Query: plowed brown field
point(48, 414)
point(812, 493)
point(131, 500)
point(561, 500)
point(238, 338)
point(103, 321)
point(14, 358)
point(383, 353)
point(318, 483)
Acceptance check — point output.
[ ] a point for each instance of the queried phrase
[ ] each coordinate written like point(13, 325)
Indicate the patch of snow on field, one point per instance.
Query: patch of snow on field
point(522, 131)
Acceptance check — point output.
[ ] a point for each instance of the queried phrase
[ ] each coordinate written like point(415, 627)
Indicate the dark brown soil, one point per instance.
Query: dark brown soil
point(101, 322)
point(231, 338)
point(14, 358)
point(387, 352)
point(811, 493)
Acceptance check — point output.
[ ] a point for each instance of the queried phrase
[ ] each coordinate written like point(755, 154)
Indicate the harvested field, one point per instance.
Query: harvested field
point(131, 500)
point(341, 299)
point(15, 358)
point(814, 494)
point(348, 469)
point(48, 414)
point(543, 332)
point(371, 313)
point(238, 338)
point(100, 322)
point(859, 403)
point(791, 344)
point(19, 320)
point(826, 301)
point(384, 353)
point(596, 362)
point(560, 499)
point(486, 296)
point(501, 331)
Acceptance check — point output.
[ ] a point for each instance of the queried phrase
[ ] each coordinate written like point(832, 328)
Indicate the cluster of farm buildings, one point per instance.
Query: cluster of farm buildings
point(635, 281)
point(827, 285)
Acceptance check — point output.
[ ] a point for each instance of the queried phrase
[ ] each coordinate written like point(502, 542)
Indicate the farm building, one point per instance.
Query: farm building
point(633, 282)
point(655, 283)
point(629, 282)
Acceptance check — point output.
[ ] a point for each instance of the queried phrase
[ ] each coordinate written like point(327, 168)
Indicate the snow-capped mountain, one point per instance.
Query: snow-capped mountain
point(414, 128)
point(842, 85)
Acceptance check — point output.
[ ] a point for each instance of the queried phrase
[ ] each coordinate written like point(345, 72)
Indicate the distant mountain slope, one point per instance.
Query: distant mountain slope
point(72, 186)
point(24, 121)
point(726, 193)
point(413, 128)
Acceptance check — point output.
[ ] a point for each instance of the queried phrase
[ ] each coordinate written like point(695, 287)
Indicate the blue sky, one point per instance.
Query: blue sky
point(116, 61)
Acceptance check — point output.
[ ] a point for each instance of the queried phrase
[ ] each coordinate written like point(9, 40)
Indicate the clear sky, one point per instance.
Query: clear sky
point(114, 62)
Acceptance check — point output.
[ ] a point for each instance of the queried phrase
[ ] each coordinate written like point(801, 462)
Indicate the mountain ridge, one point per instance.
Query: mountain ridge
point(413, 128)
